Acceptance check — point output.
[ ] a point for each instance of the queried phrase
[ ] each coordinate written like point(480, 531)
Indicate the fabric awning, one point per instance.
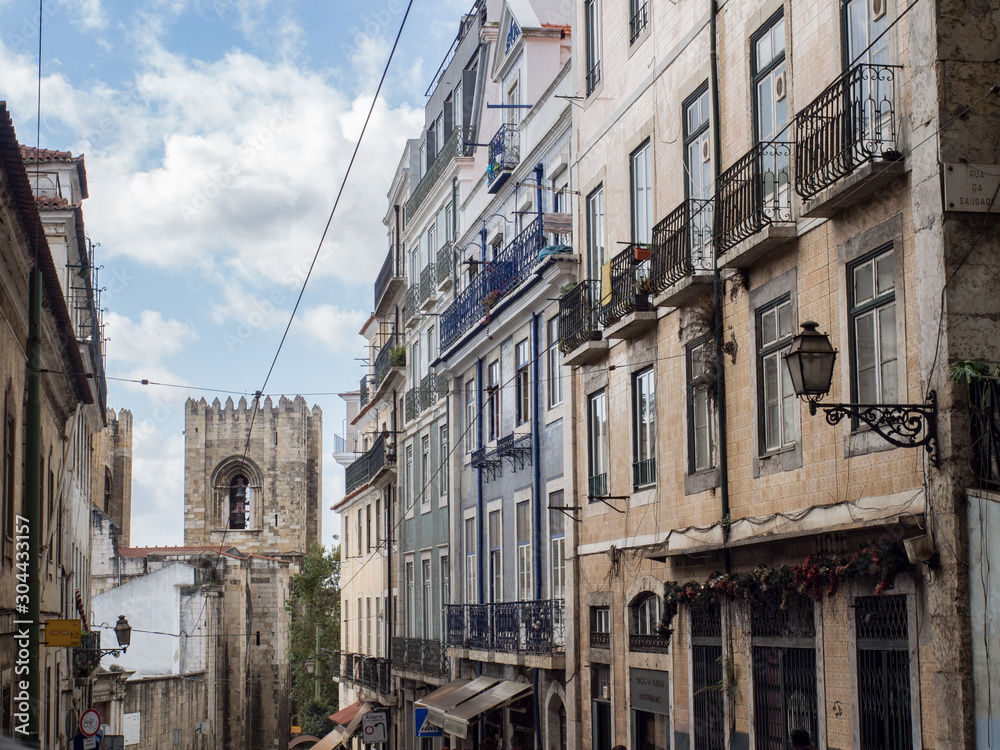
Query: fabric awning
point(356, 721)
point(345, 715)
point(301, 740)
point(457, 720)
point(444, 699)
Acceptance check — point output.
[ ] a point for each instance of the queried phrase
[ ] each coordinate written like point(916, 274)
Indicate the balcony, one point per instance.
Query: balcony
point(505, 153)
point(593, 77)
point(755, 205)
point(643, 473)
point(363, 390)
point(390, 360)
point(431, 389)
point(371, 672)
point(368, 466)
point(580, 324)
point(534, 627)
point(845, 144)
point(420, 655)
point(449, 151)
point(512, 265)
point(648, 644)
point(984, 427)
point(428, 287)
point(626, 309)
point(410, 305)
point(389, 282)
point(682, 262)
point(445, 267)
point(597, 485)
point(514, 448)
point(600, 639)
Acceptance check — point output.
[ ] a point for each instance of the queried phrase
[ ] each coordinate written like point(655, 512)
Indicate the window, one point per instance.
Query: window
point(883, 667)
point(361, 626)
point(471, 595)
point(644, 429)
point(650, 729)
point(595, 233)
point(445, 594)
point(638, 18)
point(368, 525)
point(592, 39)
point(600, 701)
point(701, 412)
point(521, 383)
point(425, 577)
point(778, 422)
point(456, 100)
point(872, 319)
point(378, 626)
point(378, 522)
point(597, 444)
point(496, 557)
point(554, 363)
point(863, 27)
point(425, 468)
point(524, 579)
point(493, 404)
point(600, 627)
point(706, 668)
point(368, 625)
point(410, 609)
point(443, 479)
point(557, 536)
point(470, 416)
point(408, 479)
point(648, 613)
point(513, 100)
point(360, 537)
point(642, 193)
point(768, 70)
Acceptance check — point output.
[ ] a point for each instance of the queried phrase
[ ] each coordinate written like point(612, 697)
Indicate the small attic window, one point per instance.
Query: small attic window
point(44, 186)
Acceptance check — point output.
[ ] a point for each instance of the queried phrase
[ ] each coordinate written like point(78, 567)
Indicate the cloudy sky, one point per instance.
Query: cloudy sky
point(216, 135)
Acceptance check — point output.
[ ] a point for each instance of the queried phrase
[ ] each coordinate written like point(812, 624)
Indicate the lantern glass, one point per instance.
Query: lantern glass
point(310, 666)
point(123, 631)
point(810, 362)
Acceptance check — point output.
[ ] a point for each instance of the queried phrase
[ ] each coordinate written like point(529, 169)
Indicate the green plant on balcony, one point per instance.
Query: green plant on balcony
point(489, 302)
point(397, 356)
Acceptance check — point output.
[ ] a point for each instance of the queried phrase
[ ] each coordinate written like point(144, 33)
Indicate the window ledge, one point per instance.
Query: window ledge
point(755, 247)
point(776, 462)
point(701, 481)
point(864, 182)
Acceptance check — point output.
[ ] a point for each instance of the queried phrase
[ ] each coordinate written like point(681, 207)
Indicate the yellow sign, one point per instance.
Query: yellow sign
point(63, 633)
point(296, 730)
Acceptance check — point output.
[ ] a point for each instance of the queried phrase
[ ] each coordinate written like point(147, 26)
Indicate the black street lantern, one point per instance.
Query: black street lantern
point(123, 632)
point(310, 666)
point(810, 360)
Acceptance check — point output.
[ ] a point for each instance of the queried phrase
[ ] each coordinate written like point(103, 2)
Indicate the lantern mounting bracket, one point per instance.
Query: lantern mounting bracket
point(903, 425)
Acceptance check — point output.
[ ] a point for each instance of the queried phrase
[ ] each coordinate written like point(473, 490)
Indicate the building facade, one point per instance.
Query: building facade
point(747, 568)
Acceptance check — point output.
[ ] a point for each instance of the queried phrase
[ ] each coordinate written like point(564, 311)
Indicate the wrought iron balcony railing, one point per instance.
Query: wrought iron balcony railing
point(428, 282)
point(372, 672)
point(366, 466)
point(448, 152)
point(410, 302)
point(637, 23)
point(643, 473)
point(431, 389)
point(420, 655)
point(853, 121)
point(755, 192)
point(445, 263)
point(410, 410)
point(624, 295)
point(363, 389)
point(580, 315)
point(984, 405)
point(390, 270)
point(651, 644)
point(386, 359)
point(593, 77)
point(600, 639)
point(497, 279)
point(598, 485)
point(682, 244)
point(532, 627)
point(505, 153)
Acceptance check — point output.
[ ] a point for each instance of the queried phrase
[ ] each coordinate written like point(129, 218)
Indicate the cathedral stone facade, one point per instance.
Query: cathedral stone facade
point(261, 495)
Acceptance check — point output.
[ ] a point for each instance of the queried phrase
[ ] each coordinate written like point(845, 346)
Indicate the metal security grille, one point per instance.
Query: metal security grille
point(708, 676)
point(784, 668)
point(883, 673)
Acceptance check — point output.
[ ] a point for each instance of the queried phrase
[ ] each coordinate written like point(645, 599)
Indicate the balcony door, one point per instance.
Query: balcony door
point(871, 83)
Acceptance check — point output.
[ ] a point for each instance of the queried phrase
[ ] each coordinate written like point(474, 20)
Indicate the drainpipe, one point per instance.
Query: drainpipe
point(479, 477)
point(539, 174)
point(536, 466)
point(454, 231)
point(717, 289)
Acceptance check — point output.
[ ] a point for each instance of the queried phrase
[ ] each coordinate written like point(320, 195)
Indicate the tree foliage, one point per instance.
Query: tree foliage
point(314, 603)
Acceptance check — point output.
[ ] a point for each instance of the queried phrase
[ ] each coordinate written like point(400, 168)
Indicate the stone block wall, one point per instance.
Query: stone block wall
point(170, 708)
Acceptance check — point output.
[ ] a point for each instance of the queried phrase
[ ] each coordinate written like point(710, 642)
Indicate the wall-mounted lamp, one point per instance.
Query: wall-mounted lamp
point(810, 360)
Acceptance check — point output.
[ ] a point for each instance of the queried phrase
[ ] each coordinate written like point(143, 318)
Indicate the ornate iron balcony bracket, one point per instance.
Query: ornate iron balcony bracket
point(102, 652)
point(903, 425)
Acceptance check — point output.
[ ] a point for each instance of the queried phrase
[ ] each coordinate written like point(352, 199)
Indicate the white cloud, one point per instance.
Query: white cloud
point(145, 342)
point(333, 327)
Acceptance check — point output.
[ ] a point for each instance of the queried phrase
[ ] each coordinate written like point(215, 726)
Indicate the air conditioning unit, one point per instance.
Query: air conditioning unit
point(878, 9)
point(706, 150)
point(779, 86)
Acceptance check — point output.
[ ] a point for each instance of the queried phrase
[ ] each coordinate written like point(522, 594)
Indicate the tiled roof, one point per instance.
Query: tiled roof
point(133, 552)
point(43, 155)
point(46, 203)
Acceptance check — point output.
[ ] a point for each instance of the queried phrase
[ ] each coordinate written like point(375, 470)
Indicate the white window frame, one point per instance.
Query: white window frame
point(525, 578)
point(554, 364)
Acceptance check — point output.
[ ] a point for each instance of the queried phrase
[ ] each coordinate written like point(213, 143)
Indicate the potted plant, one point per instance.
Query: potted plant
point(397, 357)
point(642, 252)
point(643, 292)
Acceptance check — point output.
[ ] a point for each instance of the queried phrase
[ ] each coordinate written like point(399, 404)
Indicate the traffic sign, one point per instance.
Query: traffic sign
point(373, 728)
point(424, 727)
point(90, 722)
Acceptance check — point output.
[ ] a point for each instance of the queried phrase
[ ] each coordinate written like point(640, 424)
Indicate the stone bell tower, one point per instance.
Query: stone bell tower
point(266, 502)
